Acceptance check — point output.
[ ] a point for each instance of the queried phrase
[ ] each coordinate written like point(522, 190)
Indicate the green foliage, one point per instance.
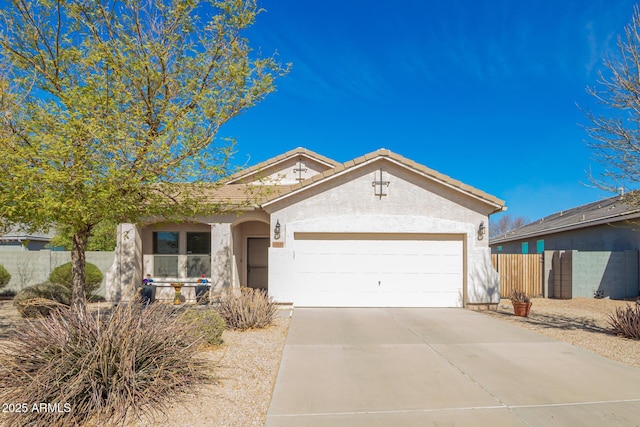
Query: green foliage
point(41, 299)
point(93, 277)
point(252, 308)
point(207, 323)
point(626, 321)
point(5, 277)
point(133, 361)
point(102, 238)
point(109, 108)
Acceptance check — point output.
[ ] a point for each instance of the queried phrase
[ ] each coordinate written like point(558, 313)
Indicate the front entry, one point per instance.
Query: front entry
point(257, 262)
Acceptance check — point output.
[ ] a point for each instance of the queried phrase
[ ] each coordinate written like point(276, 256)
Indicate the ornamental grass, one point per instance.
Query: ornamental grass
point(626, 321)
point(251, 308)
point(98, 369)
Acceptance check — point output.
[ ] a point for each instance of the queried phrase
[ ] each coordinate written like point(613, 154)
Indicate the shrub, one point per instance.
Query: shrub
point(252, 308)
point(93, 277)
point(207, 323)
point(131, 362)
point(519, 296)
point(626, 321)
point(5, 277)
point(40, 300)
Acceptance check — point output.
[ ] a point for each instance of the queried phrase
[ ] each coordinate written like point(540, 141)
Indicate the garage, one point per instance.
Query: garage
point(379, 230)
point(378, 269)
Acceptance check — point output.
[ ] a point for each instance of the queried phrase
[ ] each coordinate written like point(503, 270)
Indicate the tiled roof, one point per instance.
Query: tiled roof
point(384, 153)
point(275, 160)
point(601, 212)
point(239, 195)
point(235, 194)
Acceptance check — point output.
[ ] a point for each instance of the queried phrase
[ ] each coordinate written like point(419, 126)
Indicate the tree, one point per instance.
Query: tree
point(103, 238)
point(615, 133)
point(506, 223)
point(109, 111)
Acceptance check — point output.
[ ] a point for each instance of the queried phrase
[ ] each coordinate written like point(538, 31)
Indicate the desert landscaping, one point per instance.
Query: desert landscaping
point(246, 365)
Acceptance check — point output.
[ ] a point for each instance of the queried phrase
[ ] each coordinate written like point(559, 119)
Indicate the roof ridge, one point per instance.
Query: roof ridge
point(406, 162)
point(277, 159)
point(576, 217)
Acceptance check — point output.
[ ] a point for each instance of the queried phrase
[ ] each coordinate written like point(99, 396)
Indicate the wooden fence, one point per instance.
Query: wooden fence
point(522, 272)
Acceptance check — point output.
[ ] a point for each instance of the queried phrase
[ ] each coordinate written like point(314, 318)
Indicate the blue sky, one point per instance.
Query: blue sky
point(483, 91)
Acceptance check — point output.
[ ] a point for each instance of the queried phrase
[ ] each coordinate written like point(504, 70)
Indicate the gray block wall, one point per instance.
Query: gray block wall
point(29, 268)
point(570, 274)
point(615, 274)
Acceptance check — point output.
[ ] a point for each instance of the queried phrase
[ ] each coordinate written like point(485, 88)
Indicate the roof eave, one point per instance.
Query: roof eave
point(300, 151)
point(569, 227)
point(497, 204)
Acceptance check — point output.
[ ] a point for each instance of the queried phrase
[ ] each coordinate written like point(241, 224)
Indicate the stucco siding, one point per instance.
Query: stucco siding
point(287, 172)
point(353, 193)
point(620, 236)
point(380, 193)
point(349, 204)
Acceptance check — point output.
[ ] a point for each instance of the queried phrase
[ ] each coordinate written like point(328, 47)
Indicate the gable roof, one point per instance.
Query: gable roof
point(601, 212)
point(394, 158)
point(300, 151)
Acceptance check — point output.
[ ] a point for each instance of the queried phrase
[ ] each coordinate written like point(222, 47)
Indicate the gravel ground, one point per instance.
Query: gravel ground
point(582, 322)
point(247, 364)
point(245, 368)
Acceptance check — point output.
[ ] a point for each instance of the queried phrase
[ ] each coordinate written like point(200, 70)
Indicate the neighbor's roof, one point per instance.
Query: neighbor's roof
point(597, 213)
point(395, 158)
point(19, 233)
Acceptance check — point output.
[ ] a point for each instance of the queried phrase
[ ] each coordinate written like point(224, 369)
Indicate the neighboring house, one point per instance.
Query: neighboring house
point(379, 230)
point(590, 250)
point(18, 238)
point(605, 225)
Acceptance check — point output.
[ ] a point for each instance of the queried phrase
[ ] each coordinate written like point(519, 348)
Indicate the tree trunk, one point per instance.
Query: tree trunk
point(78, 263)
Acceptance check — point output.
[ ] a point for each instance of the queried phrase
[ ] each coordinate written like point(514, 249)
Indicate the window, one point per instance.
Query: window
point(198, 251)
point(499, 248)
point(165, 266)
point(540, 246)
point(181, 254)
point(525, 247)
point(166, 242)
point(198, 243)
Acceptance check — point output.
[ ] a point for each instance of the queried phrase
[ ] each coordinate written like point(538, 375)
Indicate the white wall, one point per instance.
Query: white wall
point(349, 204)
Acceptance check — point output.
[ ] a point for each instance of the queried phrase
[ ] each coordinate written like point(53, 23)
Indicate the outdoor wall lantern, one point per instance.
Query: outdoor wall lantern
point(276, 230)
point(481, 230)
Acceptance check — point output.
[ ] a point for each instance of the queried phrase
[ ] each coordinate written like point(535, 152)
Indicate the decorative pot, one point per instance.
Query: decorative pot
point(521, 308)
point(177, 287)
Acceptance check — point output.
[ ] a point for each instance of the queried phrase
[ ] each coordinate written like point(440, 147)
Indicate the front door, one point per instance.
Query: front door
point(257, 262)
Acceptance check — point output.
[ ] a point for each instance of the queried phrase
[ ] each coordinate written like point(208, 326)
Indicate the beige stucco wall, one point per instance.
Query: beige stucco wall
point(284, 174)
point(228, 252)
point(413, 205)
point(126, 273)
point(344, 203)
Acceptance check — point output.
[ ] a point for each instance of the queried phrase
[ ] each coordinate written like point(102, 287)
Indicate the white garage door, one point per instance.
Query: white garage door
point(378, 270)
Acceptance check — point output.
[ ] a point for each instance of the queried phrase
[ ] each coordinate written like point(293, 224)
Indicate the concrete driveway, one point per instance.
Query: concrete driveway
point(417, 367)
